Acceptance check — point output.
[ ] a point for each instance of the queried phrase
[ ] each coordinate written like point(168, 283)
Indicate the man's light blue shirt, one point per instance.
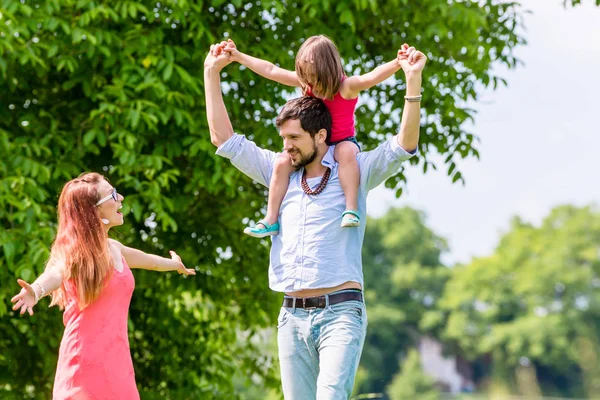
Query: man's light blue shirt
point(311, 250)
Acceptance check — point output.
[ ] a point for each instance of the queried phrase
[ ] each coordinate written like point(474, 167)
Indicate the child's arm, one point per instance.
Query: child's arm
point(138, 259)
point(262, 67)
point(354, 84)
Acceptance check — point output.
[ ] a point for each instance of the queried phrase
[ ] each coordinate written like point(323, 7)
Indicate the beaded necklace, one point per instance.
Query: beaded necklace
point(321, 185)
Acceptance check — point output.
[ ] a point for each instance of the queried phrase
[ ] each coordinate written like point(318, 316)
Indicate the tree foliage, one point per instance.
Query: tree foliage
point(117, 88)
point(411, 382)
point(403, 280)
point(527, 316)
point(535, 301)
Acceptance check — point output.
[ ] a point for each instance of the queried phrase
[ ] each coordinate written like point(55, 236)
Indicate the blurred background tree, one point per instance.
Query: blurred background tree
point(404, 277)
point(524, 320)
point(411, 382)
point(533, 303)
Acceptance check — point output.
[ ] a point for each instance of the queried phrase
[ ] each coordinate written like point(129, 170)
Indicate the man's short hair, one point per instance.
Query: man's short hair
point(310, 111)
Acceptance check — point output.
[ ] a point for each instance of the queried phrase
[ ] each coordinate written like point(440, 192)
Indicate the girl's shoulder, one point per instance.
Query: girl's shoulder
point(116, 254)
point(115, 243)
point(346, 92)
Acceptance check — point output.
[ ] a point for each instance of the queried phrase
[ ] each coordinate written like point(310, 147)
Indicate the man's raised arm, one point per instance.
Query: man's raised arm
point(413, 62)
point(245, 155)
point(216, 113)
point(379, 164)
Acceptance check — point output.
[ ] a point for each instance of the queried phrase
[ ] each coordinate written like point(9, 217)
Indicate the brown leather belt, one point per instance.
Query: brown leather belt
point(321, 301)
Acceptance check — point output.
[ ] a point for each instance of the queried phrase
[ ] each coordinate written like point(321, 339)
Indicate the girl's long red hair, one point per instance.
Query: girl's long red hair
point(81, 243)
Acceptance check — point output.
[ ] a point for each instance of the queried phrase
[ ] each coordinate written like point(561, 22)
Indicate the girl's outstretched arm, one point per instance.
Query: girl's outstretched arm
point(262, 67)
point(355, 84)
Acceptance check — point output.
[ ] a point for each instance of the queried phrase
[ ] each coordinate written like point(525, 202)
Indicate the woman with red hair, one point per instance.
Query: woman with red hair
point(88, 275)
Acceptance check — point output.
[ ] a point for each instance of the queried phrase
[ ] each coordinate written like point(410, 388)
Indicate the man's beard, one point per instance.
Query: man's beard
point(305, 159)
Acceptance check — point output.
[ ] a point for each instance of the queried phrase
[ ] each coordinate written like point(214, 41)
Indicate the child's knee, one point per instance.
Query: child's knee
point(282, 160)
point(283, 164)
point(346, 152)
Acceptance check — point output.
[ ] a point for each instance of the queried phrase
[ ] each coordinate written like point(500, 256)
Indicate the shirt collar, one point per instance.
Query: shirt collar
point(329, 159)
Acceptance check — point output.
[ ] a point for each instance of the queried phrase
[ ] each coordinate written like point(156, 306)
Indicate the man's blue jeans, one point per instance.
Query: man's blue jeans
point(319, 350)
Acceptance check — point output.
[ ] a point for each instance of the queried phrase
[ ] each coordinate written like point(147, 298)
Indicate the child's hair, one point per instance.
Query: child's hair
point(319, 66)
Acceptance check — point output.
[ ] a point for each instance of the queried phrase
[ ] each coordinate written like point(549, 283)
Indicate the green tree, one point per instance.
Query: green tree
point(254, 387)
point(403, 279)
point(411, 382)
point(534, 302)
point(117, 88)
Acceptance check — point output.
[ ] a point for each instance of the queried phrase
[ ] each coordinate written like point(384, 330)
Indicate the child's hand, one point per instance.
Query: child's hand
point(411, 59)
point(403, 57)
point(216, 59)
point(231, 49)
point(218, 49)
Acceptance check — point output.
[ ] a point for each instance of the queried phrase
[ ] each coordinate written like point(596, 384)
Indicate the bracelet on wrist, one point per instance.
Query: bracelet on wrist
point(42, 291)
point(35, 295)
point(413, 99)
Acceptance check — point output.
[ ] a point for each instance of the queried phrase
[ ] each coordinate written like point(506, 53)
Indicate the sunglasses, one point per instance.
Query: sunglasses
point(113, 195)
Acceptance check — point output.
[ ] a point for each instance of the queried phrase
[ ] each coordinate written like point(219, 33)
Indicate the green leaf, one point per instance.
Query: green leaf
point(135, 117)
point(456, 177)
point(167, 72)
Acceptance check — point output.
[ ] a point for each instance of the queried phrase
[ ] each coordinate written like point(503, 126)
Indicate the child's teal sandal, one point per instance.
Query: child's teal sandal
point(350, 219)
point(260, 232)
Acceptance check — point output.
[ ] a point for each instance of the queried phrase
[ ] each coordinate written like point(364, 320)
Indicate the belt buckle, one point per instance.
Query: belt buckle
point(304, 304)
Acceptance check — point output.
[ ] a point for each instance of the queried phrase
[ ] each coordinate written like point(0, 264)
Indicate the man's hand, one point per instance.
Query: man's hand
point(411, 60)
point(231, 49)
point(217, 59)
point(219, 123)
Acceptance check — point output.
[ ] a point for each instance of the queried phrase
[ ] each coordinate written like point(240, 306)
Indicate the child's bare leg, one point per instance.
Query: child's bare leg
point(278, 186)
point(349, 173)
point(277, 189)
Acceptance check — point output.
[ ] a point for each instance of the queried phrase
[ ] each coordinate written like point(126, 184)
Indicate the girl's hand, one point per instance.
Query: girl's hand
point(231, 49)
point(216, 58)
point(25, 300)
point(411, 60)
point(181, 268)
point(402, 56)
point(217, 49)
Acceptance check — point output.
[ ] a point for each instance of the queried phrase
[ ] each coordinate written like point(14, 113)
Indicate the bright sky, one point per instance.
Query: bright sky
point(539, 139)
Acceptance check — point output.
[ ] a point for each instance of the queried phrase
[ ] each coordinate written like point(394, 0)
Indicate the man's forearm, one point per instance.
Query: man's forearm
point(408, 137)
point(218, 120)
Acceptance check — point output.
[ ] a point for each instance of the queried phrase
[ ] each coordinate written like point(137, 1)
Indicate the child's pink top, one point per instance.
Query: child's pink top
point(94, 361)
point(342, 116)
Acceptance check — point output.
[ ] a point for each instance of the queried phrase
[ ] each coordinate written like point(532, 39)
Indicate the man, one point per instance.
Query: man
point(317, 264)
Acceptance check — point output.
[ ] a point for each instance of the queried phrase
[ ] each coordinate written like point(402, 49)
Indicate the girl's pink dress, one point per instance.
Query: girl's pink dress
point(94, 361)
